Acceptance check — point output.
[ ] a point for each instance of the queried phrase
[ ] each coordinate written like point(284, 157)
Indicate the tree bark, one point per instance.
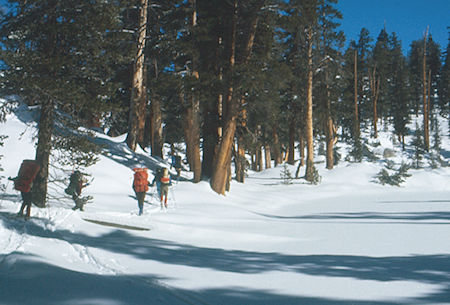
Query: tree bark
point(277, 155)
point(375, 89)
point(136, 121)
point(357, 131)
point(267, 156)
point(330, 129)
point(239, 159)
point(223, 156)
point(156, 131)
point(301, 148)
point(309, 113)
point(426, 131)
point(192, 137)
point(192, 119)
point(43, 151)
point(291, 147)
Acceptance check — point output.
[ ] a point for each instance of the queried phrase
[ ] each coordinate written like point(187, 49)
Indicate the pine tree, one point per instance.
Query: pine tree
point(241, 35)
point(137, 113)
point(399, 91)
point(378, 75)
point(444, 83)
point(286, 175)
point(329, 41)
point(55, 57)
point(419, 147)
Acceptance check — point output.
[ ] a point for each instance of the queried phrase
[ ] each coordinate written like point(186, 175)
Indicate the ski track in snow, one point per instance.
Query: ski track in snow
point(58, 219)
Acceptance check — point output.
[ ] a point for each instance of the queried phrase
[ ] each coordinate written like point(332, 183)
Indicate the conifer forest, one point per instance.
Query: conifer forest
point(232, 84)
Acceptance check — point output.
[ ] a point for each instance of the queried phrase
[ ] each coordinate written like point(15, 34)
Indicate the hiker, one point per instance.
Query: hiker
point(165, 183)
point(157, 181)
point(176, 163)
point(76, 183)
point(23, 183)
point(140, 186)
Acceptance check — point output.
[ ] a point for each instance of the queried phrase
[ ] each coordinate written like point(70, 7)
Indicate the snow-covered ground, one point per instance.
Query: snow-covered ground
point(344, 241)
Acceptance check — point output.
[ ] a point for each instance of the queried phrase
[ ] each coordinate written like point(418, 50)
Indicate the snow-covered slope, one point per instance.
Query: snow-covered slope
point(347, 240)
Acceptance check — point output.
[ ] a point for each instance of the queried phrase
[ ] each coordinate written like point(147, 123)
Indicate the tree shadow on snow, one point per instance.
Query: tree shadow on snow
point(402, 218)
point(428, 269)
point(29, 281)
point(120, 153)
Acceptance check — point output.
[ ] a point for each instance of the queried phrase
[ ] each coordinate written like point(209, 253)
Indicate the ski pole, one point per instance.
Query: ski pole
point(173, 198)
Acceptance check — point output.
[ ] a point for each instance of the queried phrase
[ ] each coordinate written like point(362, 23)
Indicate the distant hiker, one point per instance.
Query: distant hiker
point(140, 186)
point(165, 183)
point(77, 182)
point(23, 183)
point(176, 163)
point(157, 180)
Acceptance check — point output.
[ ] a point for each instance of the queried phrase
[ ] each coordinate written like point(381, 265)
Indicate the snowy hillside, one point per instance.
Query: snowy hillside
point(347, 240)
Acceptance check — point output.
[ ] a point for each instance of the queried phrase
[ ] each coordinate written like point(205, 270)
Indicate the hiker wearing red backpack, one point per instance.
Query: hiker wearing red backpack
point(140, 186)
point(23, 183)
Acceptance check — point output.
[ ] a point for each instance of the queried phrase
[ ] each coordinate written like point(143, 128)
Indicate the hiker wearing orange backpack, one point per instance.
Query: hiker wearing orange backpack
point(23, 183)
point(140, 186)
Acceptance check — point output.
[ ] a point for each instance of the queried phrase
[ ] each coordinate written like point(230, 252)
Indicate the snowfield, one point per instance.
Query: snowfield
point(347, 240)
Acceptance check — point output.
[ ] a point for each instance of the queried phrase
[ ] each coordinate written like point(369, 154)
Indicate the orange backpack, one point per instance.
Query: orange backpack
point(140, 183)
point(27, 172)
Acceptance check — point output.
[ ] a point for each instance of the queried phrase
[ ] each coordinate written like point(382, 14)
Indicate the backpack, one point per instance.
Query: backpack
point(140, 182)
point(165, 181)
point(75, 183)
point(27, 172)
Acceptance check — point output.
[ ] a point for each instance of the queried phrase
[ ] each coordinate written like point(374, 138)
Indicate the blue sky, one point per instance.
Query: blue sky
point(407, 18)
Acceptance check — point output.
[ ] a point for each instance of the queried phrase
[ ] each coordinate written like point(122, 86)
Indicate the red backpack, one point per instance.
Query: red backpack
point(140, 183)
point(27, 172)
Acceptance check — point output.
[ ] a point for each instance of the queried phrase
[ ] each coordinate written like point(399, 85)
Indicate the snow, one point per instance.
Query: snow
point(347, 240)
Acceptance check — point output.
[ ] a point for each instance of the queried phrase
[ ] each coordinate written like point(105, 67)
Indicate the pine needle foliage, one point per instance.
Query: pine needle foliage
point(391, 176)
point(286, 175)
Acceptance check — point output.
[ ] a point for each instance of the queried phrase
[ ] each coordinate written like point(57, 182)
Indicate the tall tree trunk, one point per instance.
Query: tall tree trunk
point(426, 131)
point(43, 151)
point(192, 137)
point(136, 121)
point(259, 157)
point(375, 89)
point(355, 106)
point(277, 155)
point(267, 156)
point(310, 170)
point(223, 156)
point(330, 136)
point(240, 153)
point(210, 138)
point(212, 119)
point(192, 119)
point(291, 147)
point(239, 163)
point(156, 120)
point(301, 149)
point(330, 129)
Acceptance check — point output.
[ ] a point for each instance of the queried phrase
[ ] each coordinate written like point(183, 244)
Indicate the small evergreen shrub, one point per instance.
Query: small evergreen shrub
point(419, 148)
point(316, 178)
point(390, 175)
point(286, 175)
